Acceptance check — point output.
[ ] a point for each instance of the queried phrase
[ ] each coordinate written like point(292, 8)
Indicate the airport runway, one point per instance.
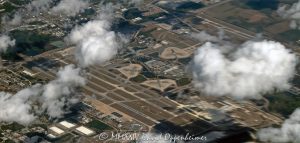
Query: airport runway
point(143, 104)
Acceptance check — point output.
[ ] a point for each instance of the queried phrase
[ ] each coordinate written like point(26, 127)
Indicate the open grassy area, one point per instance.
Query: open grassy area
point(255, 27)
point(139, 79)
point(8, 7)
point(65, 138)
point(132, 13)
point(283, 103)
point(291, 35)
point(13, 126)
point(8, 141)
point(189, 5)
point(98, 126)
point(58, 44)
point(20, 2)
point(258, 4)
point(183, 81)
point(257, 16)
point(31, 43)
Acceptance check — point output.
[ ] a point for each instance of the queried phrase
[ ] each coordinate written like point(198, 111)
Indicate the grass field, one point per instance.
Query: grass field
point(139, 79)
point(65, 138)
point(291, 35)
point(257, 16)
point(98, 126)
point(183, 81)
point(20, 2)
point(31, 43)
point(283, 103)
point(12, 126)
point(8, 7)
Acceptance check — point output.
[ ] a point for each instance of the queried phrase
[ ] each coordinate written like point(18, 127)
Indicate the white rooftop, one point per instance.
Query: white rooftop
point(57, 130)
point(51, 136)
point(67, 124)
point(84, 130)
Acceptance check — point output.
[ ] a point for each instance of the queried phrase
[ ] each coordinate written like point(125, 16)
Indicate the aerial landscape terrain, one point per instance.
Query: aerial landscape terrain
point(149, 71)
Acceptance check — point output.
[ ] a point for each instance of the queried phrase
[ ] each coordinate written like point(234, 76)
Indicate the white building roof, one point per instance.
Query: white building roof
point(84, 130)
point(57, 130)
point(51, 136)
point(67, 124)
point(29, 72)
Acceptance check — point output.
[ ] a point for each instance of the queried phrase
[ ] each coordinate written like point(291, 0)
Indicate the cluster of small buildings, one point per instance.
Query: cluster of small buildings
point(165, 69)
point(143, 41)
point(20, 136)
point(152, 11)
point(12, 81)
point(219, 110)
point(294, 90)
point(64, 127)
point(1, 3)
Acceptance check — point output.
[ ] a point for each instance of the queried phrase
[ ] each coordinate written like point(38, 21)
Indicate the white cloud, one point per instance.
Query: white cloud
point(288, 132)
point(255, 68)
point(59, 93)
point(6, 42)
point(203, 36)
point(17, 108)
point(70, 7)
point(38, 6)
point(53, 98)
point(95, 42)
point(15, 20)
point(292, 13)
point(135, 2)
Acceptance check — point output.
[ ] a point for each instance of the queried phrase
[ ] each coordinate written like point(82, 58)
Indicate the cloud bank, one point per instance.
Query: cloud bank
point(53, 98)
point(60, 93)
point(292, 13)
point(38, 6)
point(70, 7)
point(253, 69)
point(289, 131)
point(203, 36)
point(5, 42)
point(17, 108)
point(15, 20)
point(95, 42)
point(135, 2)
